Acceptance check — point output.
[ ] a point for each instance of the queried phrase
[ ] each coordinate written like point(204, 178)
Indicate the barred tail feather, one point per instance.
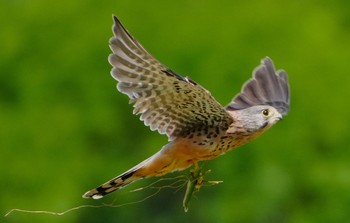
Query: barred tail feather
point(116, 183)
point(157, 165)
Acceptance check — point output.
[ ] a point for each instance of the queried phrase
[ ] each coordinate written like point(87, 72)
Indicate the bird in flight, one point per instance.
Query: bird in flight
point(197, 126)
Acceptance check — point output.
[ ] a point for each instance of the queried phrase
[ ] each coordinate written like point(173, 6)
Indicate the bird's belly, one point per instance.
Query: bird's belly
point(192, 150)
point(181, 153)
point(200, 148)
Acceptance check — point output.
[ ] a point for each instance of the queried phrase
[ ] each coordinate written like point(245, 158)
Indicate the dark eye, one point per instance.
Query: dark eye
point(266, 112)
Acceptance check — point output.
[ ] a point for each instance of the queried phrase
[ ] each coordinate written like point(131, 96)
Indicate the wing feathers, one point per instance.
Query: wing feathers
point(267, 87)
point(166, 101)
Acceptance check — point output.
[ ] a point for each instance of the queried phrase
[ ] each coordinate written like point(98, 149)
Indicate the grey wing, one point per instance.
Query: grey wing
point(267, 87)
point(166, 101)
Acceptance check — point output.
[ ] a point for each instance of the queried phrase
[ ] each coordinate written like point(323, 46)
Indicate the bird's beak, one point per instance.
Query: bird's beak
point(279, 117)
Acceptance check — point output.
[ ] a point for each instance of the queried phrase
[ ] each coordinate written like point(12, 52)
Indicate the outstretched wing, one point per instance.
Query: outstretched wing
point(167, 102)
point(267, 87)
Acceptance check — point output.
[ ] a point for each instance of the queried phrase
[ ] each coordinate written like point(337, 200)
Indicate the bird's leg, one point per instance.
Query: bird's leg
point(195, 171)
point(197, 176)
point(195, 183)
point(195, 164)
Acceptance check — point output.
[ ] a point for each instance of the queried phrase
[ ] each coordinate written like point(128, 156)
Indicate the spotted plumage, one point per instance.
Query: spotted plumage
point(197, 126)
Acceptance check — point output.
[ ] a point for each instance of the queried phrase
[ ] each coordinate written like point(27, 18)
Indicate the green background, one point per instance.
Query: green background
point(65, 129)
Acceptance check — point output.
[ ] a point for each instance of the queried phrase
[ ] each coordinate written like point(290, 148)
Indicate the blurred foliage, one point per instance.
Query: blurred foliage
point(65, 129)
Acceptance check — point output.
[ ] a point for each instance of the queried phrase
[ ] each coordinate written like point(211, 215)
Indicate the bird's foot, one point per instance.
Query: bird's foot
point(195, 183)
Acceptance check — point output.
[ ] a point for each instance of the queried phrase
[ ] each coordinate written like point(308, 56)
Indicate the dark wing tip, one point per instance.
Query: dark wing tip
point(116, 22)
point(114, 17)
point(118, 27)
point(266, 87)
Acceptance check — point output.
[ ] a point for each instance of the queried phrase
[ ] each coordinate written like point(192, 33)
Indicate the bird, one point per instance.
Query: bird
point(198, 127)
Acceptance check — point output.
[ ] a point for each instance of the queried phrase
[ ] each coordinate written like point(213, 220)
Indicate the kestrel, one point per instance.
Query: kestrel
point(197, 126)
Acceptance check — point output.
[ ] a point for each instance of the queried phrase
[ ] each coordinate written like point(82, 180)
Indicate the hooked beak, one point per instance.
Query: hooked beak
point(279, 117)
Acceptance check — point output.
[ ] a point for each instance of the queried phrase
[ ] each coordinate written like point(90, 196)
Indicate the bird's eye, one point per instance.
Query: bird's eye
point(265, 112)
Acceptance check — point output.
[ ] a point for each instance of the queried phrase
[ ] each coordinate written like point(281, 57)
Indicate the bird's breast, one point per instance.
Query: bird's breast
point(204, 148)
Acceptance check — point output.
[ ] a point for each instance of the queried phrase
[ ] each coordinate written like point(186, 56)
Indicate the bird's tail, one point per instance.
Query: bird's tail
point(116, 183)
point(159, 164)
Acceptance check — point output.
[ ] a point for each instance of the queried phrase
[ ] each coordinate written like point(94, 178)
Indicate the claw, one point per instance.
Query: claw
point(195, 183)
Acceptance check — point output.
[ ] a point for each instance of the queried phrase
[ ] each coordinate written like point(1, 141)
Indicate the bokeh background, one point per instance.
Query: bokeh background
point(64, 128)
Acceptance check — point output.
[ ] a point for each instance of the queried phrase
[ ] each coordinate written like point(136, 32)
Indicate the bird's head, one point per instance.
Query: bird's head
point(258, 117)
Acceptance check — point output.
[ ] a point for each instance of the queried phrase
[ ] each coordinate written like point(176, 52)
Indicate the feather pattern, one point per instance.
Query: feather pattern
point(266, 87)
point(167, 102)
